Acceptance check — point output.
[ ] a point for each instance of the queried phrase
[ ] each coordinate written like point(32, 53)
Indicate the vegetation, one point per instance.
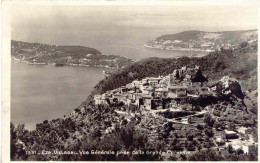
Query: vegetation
point(83, 131)
point(192, 35)
point(87, 129)
point(184, 36)
point(240, 64)
point(204, 41)
point(37, 53)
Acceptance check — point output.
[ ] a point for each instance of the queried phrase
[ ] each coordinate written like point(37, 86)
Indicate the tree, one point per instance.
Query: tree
point(196, 108)
point(239, 151)
point(253, 153)
point(13, 141)
point(199, 77)
point(173, 158)
point(190, 137)
point(208, 155)
point(199, 147)
point(244, 44)
point(124, 122)
point(177, 74)
point(127, 134)
point(208, 132)
point(200, 127)
point(189, 120)
point(209, 120)
point(183, 157)
point(230, 149)
point(175, 145)
point(133, 108)
point(18, 136)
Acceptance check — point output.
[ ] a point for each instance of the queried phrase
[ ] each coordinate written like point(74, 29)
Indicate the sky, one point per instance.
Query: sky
point(106, 25)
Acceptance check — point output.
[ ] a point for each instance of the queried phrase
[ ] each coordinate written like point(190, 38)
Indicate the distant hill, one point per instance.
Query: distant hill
point(225, 35)
point(37, 53)
point(184, 36)
point(202, 40)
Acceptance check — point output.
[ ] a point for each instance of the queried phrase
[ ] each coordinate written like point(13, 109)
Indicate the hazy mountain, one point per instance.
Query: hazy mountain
point(202, 40)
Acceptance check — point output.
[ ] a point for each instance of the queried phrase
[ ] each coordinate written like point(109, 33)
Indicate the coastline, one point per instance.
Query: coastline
point(107, 66)
point(60, 65)
point(179, 49)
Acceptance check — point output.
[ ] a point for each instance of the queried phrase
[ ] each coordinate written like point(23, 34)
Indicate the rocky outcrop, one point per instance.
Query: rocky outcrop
point(229, 86)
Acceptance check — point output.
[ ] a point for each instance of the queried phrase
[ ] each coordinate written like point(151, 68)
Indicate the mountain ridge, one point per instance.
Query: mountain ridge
point(199, 31)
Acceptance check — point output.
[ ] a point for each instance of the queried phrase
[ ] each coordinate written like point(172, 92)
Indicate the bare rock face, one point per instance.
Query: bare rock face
point(229, 86)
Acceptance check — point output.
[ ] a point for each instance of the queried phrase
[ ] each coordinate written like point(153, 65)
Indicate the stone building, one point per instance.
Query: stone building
point(177, 92)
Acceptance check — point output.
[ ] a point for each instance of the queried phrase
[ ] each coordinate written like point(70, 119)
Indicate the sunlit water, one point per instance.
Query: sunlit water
point(45, 92)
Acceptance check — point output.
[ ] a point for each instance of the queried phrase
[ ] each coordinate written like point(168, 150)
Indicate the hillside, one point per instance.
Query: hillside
point(107, 132)
point(118, 131)
point(36, 53)
point(240, 63)
point(202, 40)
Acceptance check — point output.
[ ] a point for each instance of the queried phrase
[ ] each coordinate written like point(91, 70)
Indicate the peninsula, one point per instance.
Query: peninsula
point(37, 53)
point(202, 40)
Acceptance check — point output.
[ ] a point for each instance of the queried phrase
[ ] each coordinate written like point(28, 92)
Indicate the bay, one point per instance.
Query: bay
point(41, 93)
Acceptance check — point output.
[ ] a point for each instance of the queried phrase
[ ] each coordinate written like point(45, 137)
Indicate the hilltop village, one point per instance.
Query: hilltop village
point(154, 109)
point(188, 111)
point(158, 110)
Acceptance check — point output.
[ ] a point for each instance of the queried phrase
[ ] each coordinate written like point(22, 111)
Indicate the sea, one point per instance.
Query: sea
point(40, 92)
